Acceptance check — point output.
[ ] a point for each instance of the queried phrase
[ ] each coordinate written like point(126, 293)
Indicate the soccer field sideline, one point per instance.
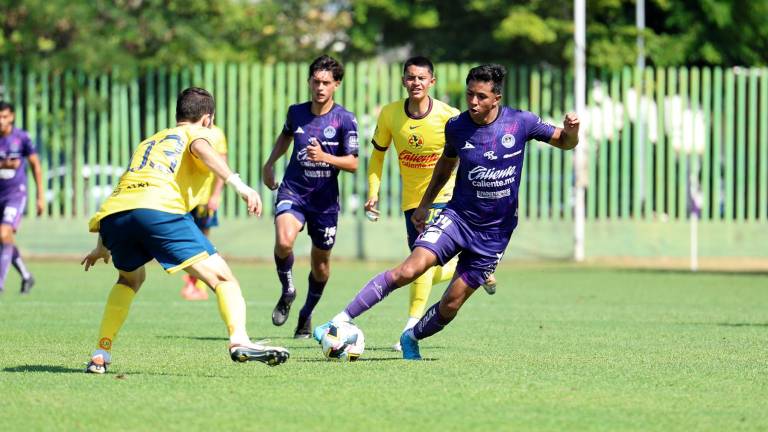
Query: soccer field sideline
point(557, 348)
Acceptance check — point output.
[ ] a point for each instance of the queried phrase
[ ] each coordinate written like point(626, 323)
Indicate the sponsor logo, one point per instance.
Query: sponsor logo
point(353, 141)
point(329, 132)
point(490, 155)
point(510, 155)
point(409, 159)
point(508, 141)
point(494, 194)
point(105, 344)
point(299, 130)
point(305, 162)
point(467, 145)
point(415, 141)
point(483, 173)
point(413, 127)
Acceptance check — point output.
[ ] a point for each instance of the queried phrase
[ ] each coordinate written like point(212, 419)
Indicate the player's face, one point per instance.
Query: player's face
point(417, 80)
point(6, 121)
point(481, 99)
point(322, 86)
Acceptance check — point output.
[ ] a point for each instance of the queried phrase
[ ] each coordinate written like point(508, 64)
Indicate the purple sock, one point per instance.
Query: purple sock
point(284, 266)
point(376, 289)
point(6, 256)
point(313, 296)
point(430, 323)
point(18, 264)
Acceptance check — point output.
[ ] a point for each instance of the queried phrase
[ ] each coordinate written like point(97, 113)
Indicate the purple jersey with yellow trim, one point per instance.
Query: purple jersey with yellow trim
point(15, 145)
point(490, 165)
point(315, 184)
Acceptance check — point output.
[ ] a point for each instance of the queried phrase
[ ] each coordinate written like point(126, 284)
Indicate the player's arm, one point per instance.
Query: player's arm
point(98, 252)
point(442, 172)
point(375, 170)
point(218, 188)
point(213, 160)
point(315, 153)
point(282, 143)
point(37, 172)
point(568, 137)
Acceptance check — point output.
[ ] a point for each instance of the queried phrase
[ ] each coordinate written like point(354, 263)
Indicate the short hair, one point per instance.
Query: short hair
point(419, 61)
point(327, 63)
point(6, 106)
point(193, 103)
point(493, 73)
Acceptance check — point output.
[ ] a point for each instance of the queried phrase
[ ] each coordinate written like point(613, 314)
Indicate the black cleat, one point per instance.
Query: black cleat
point(27, 284)
point(303, 328)
point(268, 355)
point(282, 308)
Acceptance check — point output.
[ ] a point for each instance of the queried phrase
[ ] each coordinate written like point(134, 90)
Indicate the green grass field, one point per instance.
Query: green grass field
point(558, 348)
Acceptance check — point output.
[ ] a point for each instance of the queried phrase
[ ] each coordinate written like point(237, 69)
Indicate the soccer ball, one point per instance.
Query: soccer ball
point(343, 342)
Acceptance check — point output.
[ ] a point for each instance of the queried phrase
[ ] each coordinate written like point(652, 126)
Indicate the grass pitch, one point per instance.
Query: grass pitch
point(558, 348)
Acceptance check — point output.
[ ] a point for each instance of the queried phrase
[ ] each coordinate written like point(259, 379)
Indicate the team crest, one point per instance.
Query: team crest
point(329, 132)
point(416, 141)
point(508, 140)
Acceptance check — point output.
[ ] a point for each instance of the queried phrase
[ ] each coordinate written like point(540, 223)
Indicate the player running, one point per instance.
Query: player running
point(15, 147)
point(325, 141)
point(205, 214)
point(487, 142)
point(416, 125)
point(147, 216)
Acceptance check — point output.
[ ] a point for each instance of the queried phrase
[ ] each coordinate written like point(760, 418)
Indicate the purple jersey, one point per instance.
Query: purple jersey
point(490, 165)
point(315, 183)
point(15, 145)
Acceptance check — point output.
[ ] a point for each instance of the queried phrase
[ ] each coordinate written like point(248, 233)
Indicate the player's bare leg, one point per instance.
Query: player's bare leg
point(115, 312)
point(436, 317)
point(287, 228)
point(215, 272)
point(194, 288)
point(318, 277)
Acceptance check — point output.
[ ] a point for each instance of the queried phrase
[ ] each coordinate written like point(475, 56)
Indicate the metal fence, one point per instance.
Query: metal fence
point(649, 133)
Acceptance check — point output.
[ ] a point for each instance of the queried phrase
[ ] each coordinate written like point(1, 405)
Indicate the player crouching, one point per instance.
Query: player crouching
point(147, 217)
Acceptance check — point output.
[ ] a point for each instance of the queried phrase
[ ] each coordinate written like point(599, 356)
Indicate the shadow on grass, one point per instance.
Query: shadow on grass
point(224, 339)
point(42, 368)
point(743, 324)
point(377, 359)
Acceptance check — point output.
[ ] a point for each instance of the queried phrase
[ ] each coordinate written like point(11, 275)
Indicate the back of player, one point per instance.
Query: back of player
point(147, 217)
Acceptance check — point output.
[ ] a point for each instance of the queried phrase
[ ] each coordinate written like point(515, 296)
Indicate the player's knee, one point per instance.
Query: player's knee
point(283, 247)
point(406, 273)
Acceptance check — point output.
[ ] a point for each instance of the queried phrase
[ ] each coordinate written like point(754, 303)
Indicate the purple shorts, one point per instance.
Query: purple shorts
point(13, 208)
point(321, 227)
point(479, 252)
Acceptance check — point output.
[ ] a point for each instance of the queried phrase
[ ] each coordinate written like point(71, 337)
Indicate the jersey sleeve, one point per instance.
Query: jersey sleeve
point(451, 146)
point(288, 125)
point(350, 140)
point(28, 147)
point(537, 129)
point(220, 144)
point(383, 135)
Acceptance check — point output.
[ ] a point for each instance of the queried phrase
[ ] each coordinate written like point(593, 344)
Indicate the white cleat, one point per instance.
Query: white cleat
point(397, 347)
point(490, 285)
point(99, 362)
point(266, 354)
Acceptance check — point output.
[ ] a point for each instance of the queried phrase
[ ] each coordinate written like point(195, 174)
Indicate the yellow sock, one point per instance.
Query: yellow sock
point(115, 312)
point(420, 289)
point(232, 310)
point(200, 285)
point(445, 273)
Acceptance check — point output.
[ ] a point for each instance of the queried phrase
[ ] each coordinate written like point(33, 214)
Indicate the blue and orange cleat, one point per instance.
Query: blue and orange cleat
point(321, 330)
point(410, 346)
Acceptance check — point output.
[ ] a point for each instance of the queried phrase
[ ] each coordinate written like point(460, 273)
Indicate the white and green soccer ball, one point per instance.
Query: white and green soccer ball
point(343, 342)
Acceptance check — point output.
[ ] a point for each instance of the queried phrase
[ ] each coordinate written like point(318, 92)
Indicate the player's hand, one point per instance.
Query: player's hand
point(213, 204)
point(253, 202)
point(40, 205)
point(268, 176)
point(315, 152)
point(99, 252)
point(371, 212)
point(419, 218)
point(571, 123)
point(10, 163)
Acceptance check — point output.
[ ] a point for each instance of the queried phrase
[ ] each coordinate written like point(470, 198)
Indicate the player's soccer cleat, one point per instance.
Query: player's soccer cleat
point(99, 362)
point(268, 355)
point(282, 308)
point(397, 347)
point(27, 284)
point(490, 285)
point(303, 329)
point(410, 346)
point(320, 331)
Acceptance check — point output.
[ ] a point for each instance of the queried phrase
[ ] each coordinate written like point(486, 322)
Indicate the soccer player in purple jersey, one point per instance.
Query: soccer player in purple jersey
point(324, 138)
point(15, 147)
point(487, 143)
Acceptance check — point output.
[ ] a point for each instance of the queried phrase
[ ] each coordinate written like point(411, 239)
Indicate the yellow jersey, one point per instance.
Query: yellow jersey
point(220, 145)
point(163, 175)
point(419, 142)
